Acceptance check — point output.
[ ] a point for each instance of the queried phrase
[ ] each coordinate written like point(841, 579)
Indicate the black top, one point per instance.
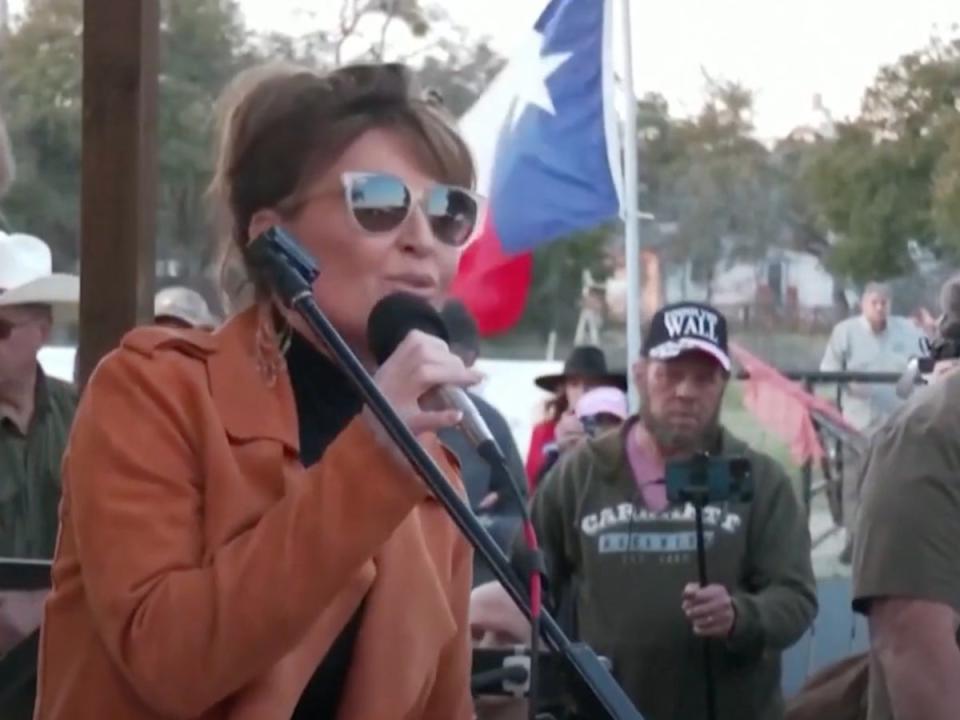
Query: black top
point(326, 402)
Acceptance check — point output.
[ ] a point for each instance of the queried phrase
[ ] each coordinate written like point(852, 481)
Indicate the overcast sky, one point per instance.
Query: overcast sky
point(785, 51)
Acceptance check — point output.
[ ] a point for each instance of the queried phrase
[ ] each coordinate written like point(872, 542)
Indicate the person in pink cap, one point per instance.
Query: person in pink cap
point(601, 409)
point(585, 368)
point(598, 410)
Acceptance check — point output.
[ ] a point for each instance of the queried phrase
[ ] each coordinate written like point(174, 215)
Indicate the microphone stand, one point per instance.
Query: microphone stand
point(279, 260)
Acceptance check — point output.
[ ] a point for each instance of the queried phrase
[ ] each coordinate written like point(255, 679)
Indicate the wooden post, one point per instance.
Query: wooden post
point(118, 211)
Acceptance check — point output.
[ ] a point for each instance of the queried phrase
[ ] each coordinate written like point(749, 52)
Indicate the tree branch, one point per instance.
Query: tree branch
point(347, 28)
point(379, 49)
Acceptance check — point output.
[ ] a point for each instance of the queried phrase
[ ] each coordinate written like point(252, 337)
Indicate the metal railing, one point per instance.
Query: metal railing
point(839, 442)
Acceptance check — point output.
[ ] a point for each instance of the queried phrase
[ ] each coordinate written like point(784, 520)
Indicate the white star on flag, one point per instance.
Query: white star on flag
point(529, 70)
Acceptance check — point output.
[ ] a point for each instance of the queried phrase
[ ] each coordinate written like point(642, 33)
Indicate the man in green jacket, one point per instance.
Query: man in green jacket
point(626, 556)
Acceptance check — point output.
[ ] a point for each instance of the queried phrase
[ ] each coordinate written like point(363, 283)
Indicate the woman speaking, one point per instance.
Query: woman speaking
point(239, 540)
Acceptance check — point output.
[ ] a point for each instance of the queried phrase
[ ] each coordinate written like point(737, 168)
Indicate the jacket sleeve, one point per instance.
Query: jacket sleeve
point(451, 697)
point(780, 599)
point(185, 630)
point(552, 513)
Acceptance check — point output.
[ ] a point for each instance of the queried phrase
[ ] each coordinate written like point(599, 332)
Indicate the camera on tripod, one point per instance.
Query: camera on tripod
point(940, 348)
point(704, 479)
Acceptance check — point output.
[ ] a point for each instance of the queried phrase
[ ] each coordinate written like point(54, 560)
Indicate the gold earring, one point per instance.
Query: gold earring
point(271, 343)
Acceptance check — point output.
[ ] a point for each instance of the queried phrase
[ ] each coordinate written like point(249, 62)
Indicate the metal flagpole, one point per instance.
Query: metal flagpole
point(631, 217)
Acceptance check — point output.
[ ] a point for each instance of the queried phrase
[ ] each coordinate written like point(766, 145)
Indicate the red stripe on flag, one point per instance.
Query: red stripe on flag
point(492, 284)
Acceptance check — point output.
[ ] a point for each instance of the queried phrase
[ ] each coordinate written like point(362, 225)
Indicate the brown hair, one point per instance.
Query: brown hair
point(282, 125)
point(557, 405)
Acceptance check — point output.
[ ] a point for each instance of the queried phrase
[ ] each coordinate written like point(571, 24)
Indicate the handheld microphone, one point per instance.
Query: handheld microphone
point(395, 317)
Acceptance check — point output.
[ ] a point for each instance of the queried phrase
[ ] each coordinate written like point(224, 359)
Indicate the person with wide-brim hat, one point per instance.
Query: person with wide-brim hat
point(36, 412)
point(27, 277)
point(586, 363)
point(585, 368)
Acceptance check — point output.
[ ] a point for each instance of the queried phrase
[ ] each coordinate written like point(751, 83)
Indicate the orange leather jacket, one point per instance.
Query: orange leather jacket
point(202, 573)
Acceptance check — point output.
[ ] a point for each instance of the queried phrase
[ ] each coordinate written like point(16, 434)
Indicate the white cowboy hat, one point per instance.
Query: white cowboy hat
point(27, 277)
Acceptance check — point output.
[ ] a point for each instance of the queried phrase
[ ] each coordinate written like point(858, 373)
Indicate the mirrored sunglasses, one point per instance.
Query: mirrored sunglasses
point(381, 202)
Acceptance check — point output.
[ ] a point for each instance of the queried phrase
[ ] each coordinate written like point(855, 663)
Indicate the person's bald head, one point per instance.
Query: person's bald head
point(6, 158)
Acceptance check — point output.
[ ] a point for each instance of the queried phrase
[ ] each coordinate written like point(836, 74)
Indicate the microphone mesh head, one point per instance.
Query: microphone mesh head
point(395, 317)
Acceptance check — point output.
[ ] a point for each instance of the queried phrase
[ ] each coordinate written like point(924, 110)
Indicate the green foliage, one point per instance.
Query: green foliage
point(41, 72)
point(558, 278)
point(203, 43)
point(721, 189)
point(946, 192)
point(891, 176)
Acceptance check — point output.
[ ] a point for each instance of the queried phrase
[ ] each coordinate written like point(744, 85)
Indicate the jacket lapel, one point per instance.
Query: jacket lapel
point(253, 410)
point(398, 639)
point(250, 407)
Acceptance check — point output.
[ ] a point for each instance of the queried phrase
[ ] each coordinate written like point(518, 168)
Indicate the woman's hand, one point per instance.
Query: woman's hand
point(420, 363)
point(569, 431)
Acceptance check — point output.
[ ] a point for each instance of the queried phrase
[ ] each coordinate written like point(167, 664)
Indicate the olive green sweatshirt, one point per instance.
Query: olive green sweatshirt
point(627, 567)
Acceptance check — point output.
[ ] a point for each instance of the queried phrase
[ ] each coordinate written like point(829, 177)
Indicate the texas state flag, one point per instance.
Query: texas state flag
point(548, 157)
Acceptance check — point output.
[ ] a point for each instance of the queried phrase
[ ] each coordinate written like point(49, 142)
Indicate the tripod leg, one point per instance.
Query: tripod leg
point(709, 680)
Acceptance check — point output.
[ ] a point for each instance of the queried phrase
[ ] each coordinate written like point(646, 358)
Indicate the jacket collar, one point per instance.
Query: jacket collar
point(250, 407)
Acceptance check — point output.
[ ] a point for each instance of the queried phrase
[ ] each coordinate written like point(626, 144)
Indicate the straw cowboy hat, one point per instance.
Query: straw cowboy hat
point(27, 277)
point(185, 305)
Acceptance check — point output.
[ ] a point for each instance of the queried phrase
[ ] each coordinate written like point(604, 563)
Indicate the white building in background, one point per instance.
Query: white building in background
point(791, 278)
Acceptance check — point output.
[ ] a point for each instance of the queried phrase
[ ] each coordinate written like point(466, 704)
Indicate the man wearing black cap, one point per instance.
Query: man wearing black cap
point(610, 533)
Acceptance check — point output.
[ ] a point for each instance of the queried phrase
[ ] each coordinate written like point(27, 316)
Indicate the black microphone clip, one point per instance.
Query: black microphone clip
point(286, 267)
